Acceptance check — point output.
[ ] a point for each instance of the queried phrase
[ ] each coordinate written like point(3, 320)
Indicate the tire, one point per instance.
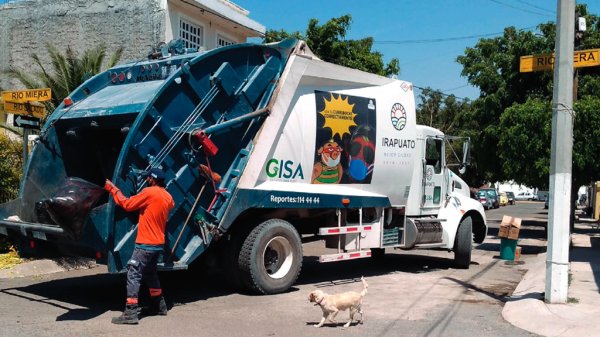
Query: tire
point(271, 257)
point(463, 243)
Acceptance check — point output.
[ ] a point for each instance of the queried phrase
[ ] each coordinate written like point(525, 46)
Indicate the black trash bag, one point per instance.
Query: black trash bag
point(71, 204)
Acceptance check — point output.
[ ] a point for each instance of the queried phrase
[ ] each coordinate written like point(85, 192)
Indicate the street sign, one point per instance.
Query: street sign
point(31, 109)
point(30, 95)
point(27, 122)
point(541, 62)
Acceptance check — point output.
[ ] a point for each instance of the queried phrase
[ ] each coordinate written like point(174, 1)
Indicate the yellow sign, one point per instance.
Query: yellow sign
point(31, 95)
point(30, 109)
point(581, 58)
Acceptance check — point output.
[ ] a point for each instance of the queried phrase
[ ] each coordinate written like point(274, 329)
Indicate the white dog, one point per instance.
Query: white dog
point(332, 304)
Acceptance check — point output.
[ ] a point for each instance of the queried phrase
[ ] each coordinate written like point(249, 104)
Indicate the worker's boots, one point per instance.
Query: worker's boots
point(129, 316)
point(158, 306)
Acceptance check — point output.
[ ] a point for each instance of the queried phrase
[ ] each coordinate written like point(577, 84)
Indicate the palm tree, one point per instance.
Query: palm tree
point(68, 71)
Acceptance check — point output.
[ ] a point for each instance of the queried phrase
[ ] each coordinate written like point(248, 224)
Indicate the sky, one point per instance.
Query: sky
point(410, 30)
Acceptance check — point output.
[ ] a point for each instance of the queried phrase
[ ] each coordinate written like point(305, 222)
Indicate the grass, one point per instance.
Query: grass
point(572, 300)
point(9, 259)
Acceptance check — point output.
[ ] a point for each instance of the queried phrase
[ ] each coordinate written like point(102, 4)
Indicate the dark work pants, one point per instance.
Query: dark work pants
point(142, 265)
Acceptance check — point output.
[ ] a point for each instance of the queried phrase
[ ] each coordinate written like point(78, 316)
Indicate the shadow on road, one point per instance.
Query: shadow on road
point(93, 294)
point(530, 229)
point(86, 297)
point(324, 273)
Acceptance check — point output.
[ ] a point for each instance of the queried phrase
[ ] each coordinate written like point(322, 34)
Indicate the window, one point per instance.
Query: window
point(191, 34)
point(223, 41)
point(433, 154)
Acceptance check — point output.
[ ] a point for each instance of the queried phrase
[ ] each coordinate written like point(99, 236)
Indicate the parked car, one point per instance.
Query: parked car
point(503, 199)
point(511, 198)
point(521, 196)
point(484, 200)
point(492, 194)
point(542, 195)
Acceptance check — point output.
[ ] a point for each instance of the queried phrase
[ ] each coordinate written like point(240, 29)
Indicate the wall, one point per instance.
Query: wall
point(137, 25)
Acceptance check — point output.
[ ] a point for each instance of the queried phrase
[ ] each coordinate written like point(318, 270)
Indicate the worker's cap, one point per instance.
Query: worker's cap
point(155, 173)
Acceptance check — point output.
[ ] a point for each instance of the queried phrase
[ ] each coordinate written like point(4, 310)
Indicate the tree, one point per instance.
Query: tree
point(67, 72)
point(328, 42)
point(492, 65)
point(454, 117)
point(11, 167)
point(444, 112)
point(525, 143)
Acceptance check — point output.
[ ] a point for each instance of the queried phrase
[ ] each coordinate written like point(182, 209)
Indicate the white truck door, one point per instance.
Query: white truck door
point(433, 175)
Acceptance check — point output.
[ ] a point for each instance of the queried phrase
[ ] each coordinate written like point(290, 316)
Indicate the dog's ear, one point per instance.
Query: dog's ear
point(311, 297)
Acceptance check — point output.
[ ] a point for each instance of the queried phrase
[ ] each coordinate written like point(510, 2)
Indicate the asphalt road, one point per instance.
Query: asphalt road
point(414, 293)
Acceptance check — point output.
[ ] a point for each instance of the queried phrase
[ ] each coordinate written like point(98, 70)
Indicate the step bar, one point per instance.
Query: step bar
point(345, 256)
point(344, 230)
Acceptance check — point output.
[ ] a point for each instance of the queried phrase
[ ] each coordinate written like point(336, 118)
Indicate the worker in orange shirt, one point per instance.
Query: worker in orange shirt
point(154, 204)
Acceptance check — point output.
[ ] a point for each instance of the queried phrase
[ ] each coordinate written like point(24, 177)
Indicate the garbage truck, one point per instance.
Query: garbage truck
point(265, 147)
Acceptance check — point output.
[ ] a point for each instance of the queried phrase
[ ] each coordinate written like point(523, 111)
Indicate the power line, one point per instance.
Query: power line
point(445, 39)
point(441, 93)
point(519, 8)
point(538, 7)
point(459, 87)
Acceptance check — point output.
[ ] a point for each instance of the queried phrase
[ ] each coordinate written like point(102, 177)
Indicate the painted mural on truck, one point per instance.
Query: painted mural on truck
point(345, 139)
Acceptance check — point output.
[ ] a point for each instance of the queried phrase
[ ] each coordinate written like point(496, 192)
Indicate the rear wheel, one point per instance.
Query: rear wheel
point(463, 244)
point(271, 257)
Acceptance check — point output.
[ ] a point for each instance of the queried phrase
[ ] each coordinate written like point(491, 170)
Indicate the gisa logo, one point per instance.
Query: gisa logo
point(283, 169)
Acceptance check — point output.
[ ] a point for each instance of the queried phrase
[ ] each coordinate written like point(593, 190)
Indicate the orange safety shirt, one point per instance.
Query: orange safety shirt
point(154, 204)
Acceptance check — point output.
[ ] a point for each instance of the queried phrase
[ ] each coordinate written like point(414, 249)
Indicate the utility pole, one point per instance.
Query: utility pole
point(557, 260)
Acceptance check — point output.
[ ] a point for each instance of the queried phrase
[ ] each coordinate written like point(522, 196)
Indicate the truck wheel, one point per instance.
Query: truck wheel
point(271, 257)
point(463, 244)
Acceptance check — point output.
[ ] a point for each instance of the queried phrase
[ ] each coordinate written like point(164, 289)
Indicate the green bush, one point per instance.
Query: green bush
point(11, 167)
point(11, 171)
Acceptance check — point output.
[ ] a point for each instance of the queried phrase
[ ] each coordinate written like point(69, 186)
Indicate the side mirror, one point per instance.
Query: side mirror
point(466, 160)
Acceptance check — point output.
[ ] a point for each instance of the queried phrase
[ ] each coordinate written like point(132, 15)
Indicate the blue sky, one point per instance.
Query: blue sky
point(426, 63)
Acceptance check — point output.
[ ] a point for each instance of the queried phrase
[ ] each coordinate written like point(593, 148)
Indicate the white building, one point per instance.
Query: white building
point(137, 25)
point(511, 186)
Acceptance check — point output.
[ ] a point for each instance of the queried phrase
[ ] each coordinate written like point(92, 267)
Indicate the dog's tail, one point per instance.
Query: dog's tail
point(365, 286)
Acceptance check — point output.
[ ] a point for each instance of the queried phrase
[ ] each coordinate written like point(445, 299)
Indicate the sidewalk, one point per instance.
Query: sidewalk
point(527, 310)
point(46, 266)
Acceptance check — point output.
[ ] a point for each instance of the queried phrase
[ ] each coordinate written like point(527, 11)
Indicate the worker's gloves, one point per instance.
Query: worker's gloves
point(110, 187)
point(208, 174)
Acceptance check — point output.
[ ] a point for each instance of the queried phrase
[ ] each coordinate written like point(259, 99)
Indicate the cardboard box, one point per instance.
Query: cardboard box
point(503, 231)
point(509, 227)
point(513, 233)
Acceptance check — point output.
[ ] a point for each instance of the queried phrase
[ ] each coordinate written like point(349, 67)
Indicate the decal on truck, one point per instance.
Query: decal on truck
point(398, 116)
point(345, 139)
point(283, 169)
